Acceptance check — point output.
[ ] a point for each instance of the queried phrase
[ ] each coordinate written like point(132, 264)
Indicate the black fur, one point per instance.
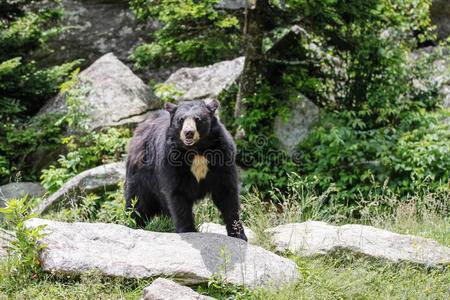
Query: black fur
point(159, 175)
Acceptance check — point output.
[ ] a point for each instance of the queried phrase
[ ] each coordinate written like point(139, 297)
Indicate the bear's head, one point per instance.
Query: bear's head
point(191, 120)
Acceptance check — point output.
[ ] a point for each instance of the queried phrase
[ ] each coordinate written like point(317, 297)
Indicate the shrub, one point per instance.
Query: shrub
point(24, 86)
point(86, 151)
point(23, 260)
point(192, 31)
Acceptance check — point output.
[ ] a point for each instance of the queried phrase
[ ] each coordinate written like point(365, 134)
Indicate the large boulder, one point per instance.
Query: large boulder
point(97, 179)
point(205, 83)
point(116, 250)
point(440, 15)
point(295, 127)
point(114, 96)
point(314, 238)
point(165, 289)
point(94, 28)
point(17, 190)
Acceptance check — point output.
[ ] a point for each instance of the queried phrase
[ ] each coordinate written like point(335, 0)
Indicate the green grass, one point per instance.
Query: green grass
point(339, 276)
point(348, 276)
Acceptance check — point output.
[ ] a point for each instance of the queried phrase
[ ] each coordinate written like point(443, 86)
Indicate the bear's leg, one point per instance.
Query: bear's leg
point(181, 212)
point(226, 198)
point(145, 206)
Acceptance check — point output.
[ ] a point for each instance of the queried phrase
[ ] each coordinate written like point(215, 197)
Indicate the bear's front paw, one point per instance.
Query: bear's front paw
point(240, 235)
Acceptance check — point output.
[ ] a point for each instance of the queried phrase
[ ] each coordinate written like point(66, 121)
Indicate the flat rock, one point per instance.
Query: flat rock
point(97, 179)
point(116, 250)
point(313, 238)
point(114, 95)
point(17, 190)
point(205, 83)
point(165, 289)
point(221, 229)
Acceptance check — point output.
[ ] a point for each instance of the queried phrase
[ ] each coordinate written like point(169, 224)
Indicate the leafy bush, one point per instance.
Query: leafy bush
point(24, 86)
point(23, 260)
point(398, 135)
point(86, 151)
point(209, 36)
point(379, 107)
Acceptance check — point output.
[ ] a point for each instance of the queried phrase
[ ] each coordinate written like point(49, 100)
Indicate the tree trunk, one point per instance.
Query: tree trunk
point(253, 65)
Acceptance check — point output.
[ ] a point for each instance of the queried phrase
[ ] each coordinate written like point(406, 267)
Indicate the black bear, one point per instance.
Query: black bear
point(176, 158)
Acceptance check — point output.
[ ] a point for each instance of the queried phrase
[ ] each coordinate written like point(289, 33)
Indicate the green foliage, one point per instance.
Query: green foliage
point(379, 119)
point(160, 224)
point(218, 288)
point(20, 143)
point(24, 86)
point(259, 153)
point(107, 207)
point(21, 33)
point(409, 154)
point(85, 151)
point(23, 263)
point(193, 31)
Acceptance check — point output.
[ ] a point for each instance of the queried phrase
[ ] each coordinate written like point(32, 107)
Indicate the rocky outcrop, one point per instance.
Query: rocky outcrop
point(97, 179)
point(116, 250)
point(164, 289)
point(17, 190)
point(295, 127)
point(205, 83)
point(114, 96)
point(314, 238)
point(221, 229)
point(94, 28)
point(440, 16)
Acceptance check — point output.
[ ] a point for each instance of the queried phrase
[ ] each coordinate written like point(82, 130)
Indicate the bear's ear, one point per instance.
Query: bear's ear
point(170, 107)
point(213, 105)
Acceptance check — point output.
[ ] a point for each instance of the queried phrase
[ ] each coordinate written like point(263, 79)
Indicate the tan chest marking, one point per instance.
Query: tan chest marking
point(199, 167)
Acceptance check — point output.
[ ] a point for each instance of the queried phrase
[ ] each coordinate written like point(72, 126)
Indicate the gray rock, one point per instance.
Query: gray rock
point(116, 250)
point(97, 179)
point(440, 72)
point(114, 95)
point(17, 190)
point(221, 229)
point(232, 4)
point(440, 16)
point(94, 28)
point(164, 289)
point(5, 239)
point(313, 238)
point(303, 115)
point(205, 83)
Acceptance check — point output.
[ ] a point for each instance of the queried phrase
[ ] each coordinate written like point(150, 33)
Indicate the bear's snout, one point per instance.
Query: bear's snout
point(189, 134)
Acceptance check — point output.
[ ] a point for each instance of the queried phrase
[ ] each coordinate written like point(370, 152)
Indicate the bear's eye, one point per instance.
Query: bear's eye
point(180, 121)
point(197, 119)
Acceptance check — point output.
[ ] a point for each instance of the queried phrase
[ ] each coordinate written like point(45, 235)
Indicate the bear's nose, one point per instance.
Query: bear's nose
point(189, 134)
